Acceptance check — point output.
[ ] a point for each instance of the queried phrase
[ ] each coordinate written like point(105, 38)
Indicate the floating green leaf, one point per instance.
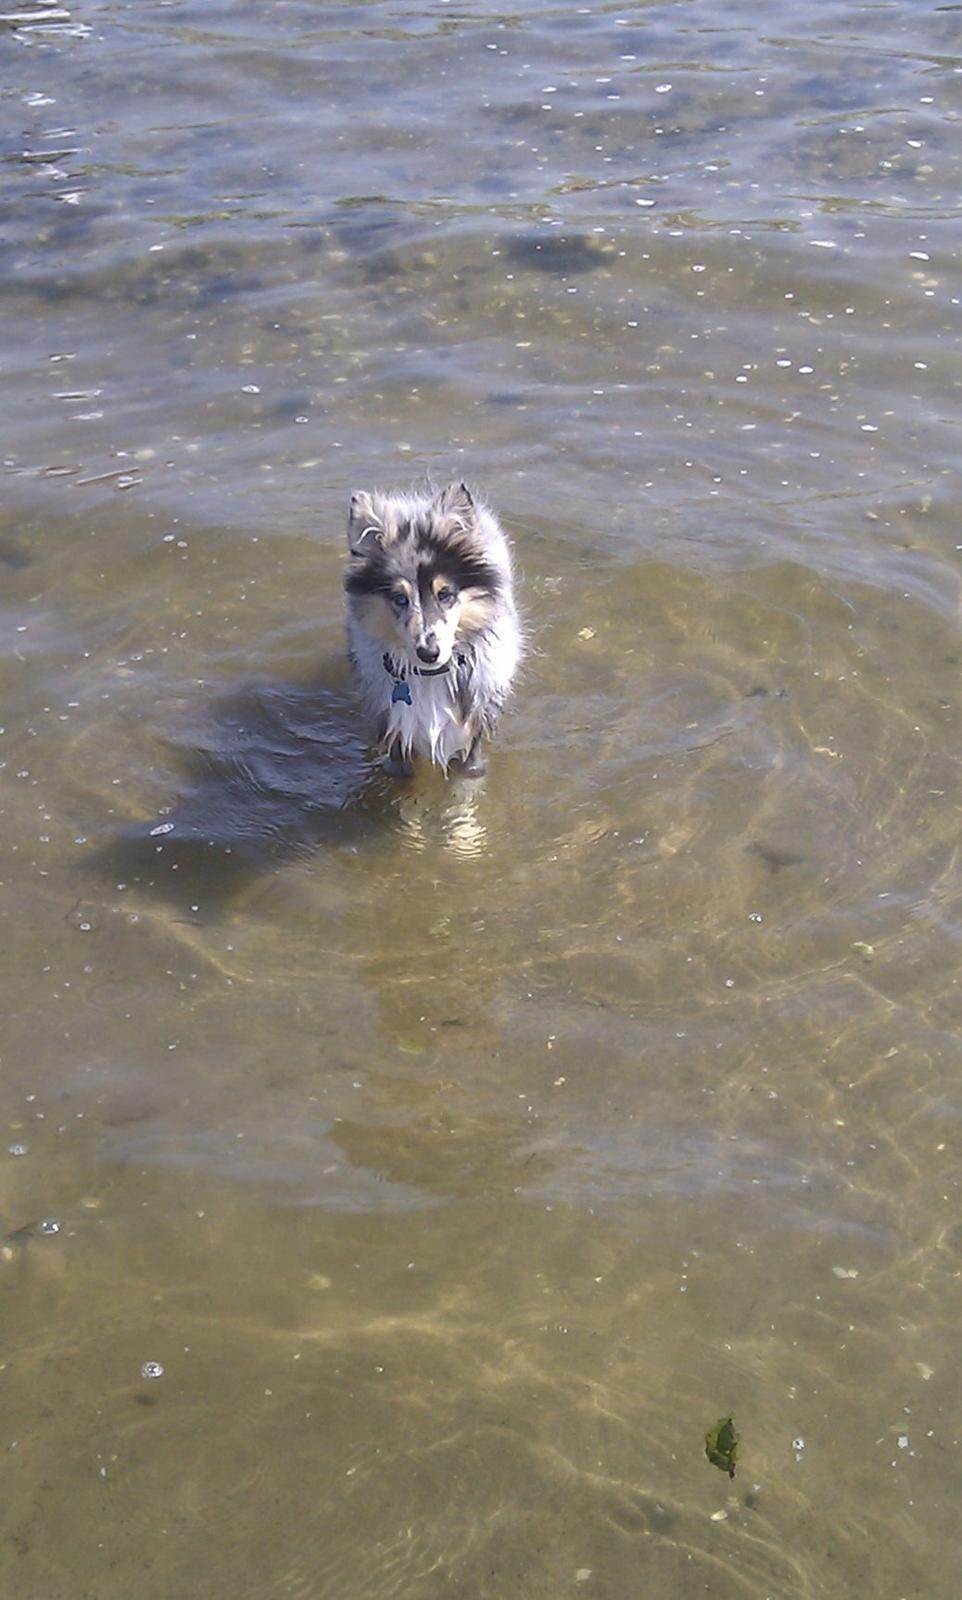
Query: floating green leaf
point(721, 1445)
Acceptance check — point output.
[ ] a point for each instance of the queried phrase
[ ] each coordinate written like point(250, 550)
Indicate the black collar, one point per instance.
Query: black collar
point(421, 672)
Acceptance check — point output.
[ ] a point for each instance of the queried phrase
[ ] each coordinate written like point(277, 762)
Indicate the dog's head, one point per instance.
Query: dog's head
point(419, 577)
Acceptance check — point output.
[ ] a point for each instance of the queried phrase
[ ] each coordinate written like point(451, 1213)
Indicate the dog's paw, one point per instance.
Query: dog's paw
point(473, 765)
point(396, 767)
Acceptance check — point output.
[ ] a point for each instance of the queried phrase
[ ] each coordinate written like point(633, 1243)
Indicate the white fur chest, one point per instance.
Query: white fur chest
point(421, 713)
point(430, 723)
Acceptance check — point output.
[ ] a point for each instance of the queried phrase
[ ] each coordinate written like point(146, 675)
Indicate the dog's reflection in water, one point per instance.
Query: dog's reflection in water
point(447, 818)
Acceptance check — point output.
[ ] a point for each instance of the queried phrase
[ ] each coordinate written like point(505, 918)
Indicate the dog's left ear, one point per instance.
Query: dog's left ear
point(364, 526)
point(455, 501)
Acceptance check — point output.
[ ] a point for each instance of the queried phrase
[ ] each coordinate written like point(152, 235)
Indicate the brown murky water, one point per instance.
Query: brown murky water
point(460, 1154)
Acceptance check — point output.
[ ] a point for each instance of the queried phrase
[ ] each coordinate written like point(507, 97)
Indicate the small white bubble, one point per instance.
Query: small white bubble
point(152, 1369)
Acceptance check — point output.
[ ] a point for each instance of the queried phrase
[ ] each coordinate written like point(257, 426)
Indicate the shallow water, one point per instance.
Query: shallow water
point(459, 1153)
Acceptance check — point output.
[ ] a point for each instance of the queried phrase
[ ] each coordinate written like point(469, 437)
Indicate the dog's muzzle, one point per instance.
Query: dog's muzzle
point(428, 650)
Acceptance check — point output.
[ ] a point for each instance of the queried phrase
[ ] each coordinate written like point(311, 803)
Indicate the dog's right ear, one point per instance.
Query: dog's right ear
point(364, 526)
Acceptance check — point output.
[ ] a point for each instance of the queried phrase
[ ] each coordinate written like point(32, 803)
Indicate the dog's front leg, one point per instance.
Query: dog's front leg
point(472, 764)
point(396, 765)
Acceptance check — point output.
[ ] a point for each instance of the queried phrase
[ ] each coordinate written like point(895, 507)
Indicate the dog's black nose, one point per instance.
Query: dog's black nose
point(429, 651)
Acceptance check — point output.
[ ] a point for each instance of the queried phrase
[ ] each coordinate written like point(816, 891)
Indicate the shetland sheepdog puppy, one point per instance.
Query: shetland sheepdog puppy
point(433, 634)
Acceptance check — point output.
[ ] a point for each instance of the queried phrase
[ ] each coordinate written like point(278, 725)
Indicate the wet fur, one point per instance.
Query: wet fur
point(430, 587)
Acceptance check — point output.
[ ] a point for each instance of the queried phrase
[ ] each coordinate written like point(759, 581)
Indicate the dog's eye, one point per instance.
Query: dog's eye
point(399, 599)
point(447, 596)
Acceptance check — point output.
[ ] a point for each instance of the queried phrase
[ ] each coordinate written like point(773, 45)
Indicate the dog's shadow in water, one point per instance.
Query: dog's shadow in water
point(274, 771)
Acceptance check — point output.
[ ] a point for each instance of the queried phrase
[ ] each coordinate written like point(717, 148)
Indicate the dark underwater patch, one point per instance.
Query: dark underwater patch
point(561, 254)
